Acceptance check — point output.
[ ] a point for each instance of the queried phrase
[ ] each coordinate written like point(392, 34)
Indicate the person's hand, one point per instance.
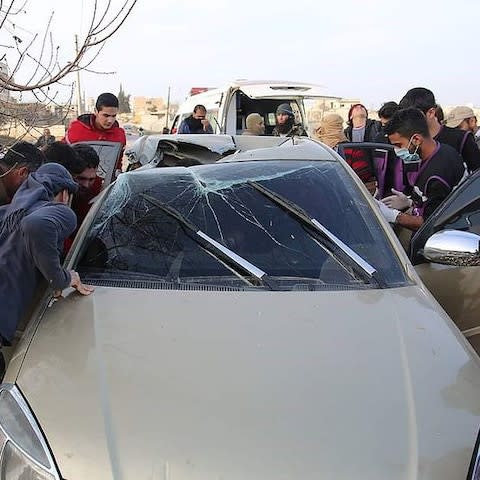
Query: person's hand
point(390, 214)
point(398, 200)
point(77, 284)
point(205, 123)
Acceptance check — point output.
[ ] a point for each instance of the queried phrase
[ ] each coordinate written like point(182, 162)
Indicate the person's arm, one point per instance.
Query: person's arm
point(183, 128)
point(412, 222)
point(471, 153)
point(43, 231)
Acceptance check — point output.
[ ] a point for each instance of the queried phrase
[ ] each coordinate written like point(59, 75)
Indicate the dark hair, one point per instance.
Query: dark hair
point(439, 114)
point(106, 100)
point(387, 110)
point(199, 107)
point(407, 122)
point(65, 155)
point(420, 98)
point(349, 116)
point(87, 154)
point(24, 154)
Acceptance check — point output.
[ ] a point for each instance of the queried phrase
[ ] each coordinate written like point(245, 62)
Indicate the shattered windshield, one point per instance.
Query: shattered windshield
point(153, 225)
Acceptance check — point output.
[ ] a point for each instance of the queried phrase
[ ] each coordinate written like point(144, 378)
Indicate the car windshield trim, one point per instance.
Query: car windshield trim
point(359, 264)
point(229, 258)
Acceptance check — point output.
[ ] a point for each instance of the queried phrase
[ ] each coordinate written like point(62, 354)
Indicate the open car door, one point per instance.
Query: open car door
point(109, 154)
point(446, 255)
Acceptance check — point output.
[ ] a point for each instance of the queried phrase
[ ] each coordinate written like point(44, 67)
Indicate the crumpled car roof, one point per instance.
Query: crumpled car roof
point(187, 150)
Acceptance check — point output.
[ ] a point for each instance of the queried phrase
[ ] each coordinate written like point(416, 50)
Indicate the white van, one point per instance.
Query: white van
point(227, 108)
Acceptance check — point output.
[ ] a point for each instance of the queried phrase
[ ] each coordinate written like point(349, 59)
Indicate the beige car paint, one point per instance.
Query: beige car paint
point(456, 289)
point(145, 384)
point(155, 384)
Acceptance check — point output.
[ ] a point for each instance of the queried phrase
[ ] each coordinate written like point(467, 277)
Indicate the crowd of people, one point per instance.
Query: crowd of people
point(47, 189)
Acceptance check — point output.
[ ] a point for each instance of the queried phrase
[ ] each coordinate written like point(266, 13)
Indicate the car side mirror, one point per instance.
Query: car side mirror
point(453, 247)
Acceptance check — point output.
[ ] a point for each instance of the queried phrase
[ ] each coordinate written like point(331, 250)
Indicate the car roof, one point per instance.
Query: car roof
point(294, 148)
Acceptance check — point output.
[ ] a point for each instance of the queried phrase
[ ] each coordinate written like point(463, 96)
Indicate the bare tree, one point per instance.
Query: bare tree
point(37, 64)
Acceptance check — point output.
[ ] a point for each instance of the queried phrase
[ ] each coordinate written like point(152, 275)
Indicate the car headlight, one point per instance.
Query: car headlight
point(23, 451)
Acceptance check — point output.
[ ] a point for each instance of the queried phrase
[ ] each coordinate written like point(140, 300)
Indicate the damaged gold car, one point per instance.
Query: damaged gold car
point(253, 318)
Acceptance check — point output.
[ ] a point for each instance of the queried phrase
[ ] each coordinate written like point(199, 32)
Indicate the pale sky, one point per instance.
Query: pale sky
point(371, 49)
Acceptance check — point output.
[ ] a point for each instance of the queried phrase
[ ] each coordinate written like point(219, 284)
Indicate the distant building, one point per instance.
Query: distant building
point(151, 105)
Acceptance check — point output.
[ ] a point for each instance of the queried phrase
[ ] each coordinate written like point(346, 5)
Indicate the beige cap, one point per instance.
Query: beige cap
point(458, 115)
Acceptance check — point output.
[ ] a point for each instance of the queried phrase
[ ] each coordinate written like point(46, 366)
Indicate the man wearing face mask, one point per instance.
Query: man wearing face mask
point(463, 142)
point(438, 169)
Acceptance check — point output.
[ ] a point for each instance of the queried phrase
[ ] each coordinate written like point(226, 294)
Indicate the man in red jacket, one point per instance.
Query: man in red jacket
point(101, 125)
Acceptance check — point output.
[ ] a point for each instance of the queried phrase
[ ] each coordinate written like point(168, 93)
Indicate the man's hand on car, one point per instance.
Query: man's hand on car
point(77, 284)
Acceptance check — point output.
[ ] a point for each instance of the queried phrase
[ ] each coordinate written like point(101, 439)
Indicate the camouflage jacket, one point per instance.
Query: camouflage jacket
point(295, 131)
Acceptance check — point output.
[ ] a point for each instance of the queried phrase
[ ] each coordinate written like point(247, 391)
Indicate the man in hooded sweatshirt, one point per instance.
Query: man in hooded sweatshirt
point(33, 229)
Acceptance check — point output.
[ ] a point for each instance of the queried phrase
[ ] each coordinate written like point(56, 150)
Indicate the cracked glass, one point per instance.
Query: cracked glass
point(132, 238)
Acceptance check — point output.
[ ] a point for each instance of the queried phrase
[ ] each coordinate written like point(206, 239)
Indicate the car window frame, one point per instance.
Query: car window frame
point(440, 216)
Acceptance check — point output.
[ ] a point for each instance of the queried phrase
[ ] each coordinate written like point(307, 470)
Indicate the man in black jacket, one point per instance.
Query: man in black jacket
point(360, 127)
point(463, 142)
point(197, 122)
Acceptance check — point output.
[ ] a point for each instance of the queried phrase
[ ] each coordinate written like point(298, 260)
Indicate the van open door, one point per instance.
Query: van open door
point(264, 97)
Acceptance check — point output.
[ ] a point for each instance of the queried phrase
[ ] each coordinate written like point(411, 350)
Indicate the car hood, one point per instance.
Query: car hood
point(151, 384)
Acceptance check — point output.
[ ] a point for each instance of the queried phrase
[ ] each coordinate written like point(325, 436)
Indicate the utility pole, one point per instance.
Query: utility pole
point(168, 108)
point(79, 91)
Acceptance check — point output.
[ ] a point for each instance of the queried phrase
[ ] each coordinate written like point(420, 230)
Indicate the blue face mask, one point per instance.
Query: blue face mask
point(406, 156)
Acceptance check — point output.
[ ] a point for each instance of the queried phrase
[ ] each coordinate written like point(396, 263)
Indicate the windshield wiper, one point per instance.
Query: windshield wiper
point(359, 265)
point(239, 265)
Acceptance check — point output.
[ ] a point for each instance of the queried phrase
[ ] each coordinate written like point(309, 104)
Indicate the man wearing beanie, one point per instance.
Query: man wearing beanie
point(285, 123)
point(33, 228)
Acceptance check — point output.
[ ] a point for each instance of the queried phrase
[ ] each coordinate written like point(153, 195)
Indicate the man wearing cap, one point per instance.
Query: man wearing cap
point(18, 161)
point(462, 142)
point(464, 118)
point(32, 232)
point(285, 123)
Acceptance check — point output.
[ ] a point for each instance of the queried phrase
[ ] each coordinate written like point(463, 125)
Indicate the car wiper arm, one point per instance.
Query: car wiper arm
point(237, 263)
point(354, 258)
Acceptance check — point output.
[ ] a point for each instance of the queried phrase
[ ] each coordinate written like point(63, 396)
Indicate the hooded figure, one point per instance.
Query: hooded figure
point(255, 125)
point(330, 131)
point(33, 228)
point(285, 123)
